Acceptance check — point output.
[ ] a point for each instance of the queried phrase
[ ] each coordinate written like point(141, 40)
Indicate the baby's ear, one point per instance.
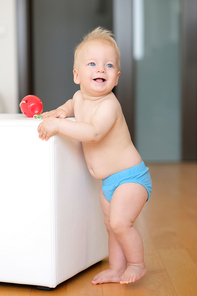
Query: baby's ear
point(76, 76)
point(117, 78)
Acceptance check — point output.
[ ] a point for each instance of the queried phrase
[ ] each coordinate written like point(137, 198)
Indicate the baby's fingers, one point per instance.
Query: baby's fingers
point(48, 114)
point(41, 132)
point(44, 136)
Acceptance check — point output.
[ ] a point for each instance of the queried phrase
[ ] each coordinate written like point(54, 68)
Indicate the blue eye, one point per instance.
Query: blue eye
point(91, 64)
point(109, 65)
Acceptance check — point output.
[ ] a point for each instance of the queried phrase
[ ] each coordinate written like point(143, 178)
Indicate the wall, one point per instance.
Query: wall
point(8, 57)
point(58, 26)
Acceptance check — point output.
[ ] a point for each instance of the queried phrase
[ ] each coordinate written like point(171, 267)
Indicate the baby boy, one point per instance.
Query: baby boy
point(108, 149)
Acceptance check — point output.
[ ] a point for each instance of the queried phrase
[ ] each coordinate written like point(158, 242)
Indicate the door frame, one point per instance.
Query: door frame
point(24, 45)
point(189, 79)
point(123, 31)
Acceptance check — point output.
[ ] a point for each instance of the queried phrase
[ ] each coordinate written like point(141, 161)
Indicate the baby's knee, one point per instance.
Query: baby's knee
point(119, 226)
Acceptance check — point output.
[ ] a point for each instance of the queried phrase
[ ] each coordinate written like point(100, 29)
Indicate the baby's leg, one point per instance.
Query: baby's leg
point(126, 204)
point(117, 258)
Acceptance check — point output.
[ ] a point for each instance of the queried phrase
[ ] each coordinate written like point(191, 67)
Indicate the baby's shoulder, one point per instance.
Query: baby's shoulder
point(111, 101)
point(77, 99)
point(77, 95)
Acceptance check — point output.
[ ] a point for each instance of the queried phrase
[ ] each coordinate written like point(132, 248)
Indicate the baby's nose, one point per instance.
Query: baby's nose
point(100, 69)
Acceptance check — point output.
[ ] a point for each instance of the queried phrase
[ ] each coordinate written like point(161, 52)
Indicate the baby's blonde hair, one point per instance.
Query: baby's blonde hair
point(98, 34)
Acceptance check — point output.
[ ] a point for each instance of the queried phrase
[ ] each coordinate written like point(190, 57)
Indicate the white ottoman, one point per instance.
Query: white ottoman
point(51, 223)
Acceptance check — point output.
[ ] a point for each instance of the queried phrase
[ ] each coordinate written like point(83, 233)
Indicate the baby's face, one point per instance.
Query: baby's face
point(96, 68)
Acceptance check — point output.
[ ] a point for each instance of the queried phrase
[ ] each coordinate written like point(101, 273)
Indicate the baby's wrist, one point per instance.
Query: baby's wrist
point(59, 125)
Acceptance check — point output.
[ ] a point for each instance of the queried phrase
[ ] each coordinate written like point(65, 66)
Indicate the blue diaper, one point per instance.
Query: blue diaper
point(138, 174)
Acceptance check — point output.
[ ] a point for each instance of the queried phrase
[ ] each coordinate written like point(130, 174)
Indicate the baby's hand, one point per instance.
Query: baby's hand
point(57, 113)
point(48, 128)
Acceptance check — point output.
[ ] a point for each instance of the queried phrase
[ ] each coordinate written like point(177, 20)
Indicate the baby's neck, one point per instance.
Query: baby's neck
point(96, 98)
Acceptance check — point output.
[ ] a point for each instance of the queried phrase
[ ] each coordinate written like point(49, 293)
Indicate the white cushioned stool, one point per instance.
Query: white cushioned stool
point(51, 222)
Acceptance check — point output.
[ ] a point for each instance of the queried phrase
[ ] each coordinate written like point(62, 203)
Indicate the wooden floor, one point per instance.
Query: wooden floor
point(168, 224)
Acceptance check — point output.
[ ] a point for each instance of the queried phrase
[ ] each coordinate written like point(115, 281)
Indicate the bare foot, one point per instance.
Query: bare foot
point(133, 273)
point(107, 276)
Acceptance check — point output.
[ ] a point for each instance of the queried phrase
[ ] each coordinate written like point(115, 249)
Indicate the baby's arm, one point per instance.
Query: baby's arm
point(101, 123)
point(66, 110)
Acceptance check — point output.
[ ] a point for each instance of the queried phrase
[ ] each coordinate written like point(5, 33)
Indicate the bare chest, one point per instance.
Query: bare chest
point(85, 111)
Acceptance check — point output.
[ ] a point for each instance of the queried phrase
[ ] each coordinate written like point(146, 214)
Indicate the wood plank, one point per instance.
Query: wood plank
point(152, 258)
point(14, 290)
point(193, 254)
point(81, 284)
point(155, 283)
point(181, 269)
point(173, 208)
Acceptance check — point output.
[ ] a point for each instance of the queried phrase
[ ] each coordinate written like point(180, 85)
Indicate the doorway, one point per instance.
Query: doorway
point(160, 82)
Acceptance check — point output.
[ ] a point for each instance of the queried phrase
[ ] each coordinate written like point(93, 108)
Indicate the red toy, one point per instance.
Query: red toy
point(31, 105)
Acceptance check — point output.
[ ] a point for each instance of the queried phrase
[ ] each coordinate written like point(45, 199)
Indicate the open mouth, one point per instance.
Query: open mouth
point(99, 80)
